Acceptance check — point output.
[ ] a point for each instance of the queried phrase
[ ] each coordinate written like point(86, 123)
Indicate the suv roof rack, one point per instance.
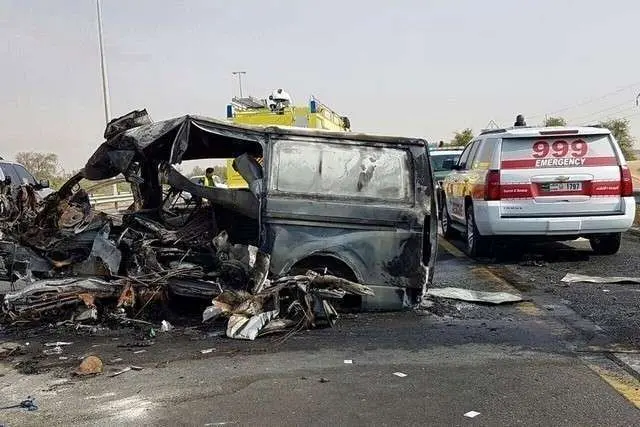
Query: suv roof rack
point(490, 131)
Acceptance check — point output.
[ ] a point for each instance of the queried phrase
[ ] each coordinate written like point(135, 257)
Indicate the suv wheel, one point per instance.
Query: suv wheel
point(445, 221)
point(607, 244)
point(476, 245)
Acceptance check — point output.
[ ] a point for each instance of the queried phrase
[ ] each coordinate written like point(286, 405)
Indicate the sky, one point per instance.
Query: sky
point(420, 68)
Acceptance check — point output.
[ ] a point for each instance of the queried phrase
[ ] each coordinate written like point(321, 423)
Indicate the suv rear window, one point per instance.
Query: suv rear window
point(558, 152)
point(438, 161)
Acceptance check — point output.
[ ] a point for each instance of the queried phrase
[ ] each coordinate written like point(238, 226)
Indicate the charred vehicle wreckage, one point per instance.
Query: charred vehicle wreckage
point(328, 220)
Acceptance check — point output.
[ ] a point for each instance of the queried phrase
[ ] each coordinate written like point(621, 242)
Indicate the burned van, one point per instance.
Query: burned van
point(352, 205)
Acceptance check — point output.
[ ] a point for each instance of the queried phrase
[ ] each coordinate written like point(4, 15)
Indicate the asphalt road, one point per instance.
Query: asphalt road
point(566, 357)
point(538, 270)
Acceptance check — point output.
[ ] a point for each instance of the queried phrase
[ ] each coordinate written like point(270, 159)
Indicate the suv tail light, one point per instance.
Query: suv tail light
point(492, 185)
point(626, 182)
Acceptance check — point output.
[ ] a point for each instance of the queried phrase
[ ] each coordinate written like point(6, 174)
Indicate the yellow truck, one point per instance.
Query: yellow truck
point(276, 110)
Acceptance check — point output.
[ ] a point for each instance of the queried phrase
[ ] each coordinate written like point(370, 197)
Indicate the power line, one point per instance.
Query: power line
point(604, 110)
point(588, 101)
point(610, 115)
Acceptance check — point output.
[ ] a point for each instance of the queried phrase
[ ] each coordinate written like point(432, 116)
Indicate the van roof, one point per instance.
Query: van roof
point(356, 136)
point(536, 131)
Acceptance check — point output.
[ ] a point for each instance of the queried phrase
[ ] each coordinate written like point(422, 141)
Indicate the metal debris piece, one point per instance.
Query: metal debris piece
point(120, 372)
point(88, 299)
point(166, 326)
point(291, 302)
point(348, 361)
point(49, 295)
point(248, 328)
point(104, 259)
point(57, 343)
point(207, 350)
point(9, 348)
point(90, 365)
point(581, 278)
point(400, 374)
point(127, 369)
point(53, 351)
point(260, 271)
point(28, 404)
point(472, 414)
point(474, 296)
point(87, 314)
point(127, 297)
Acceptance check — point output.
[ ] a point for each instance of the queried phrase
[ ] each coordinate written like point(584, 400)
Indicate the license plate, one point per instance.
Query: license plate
point(562, 186)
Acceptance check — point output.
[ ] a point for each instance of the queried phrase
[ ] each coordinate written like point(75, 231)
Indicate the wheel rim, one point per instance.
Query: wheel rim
point(470, 232)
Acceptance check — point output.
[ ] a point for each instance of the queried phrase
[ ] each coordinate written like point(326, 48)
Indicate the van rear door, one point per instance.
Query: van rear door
point(561, 175)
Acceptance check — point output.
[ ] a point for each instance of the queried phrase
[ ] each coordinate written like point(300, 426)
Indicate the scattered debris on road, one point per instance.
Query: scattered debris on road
point(28, 404)
point(127, 369)
point(400, 374)
point(470, 295)
point(581, 278)
point(472, 414)
point(8, 349)
point(91, 365)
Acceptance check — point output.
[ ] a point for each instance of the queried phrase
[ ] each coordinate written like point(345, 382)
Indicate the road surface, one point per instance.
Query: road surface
point(566, 357)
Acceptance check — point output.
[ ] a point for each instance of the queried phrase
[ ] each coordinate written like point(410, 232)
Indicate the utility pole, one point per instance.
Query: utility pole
point(239, 74)
point(103, 66)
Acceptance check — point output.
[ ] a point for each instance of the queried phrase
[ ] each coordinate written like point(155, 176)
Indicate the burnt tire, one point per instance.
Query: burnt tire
point(476, 245)
point(607, 244)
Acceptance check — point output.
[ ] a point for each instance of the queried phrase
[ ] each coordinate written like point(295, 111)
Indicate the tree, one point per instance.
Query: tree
point(41, 165)
point(621, 131)
point(460, 139)
point(196, 171)
point(555, 121)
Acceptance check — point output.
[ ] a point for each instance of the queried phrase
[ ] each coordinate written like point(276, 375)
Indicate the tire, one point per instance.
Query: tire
point(476, 245)
point(445, 221)
point(607, 244)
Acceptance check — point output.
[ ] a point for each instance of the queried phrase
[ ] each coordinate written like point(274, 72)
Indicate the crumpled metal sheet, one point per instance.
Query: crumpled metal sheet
point(474, 296)
point(581, 278)
point(45, 295)
point(247, 328)
point(173, 140)
point(103, 253)
point(288, 302)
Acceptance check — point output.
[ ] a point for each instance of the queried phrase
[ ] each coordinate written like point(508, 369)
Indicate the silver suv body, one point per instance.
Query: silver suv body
point(555, 183)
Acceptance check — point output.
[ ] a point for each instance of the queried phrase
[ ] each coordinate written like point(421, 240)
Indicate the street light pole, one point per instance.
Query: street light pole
point(103, 66)
point(239, 74)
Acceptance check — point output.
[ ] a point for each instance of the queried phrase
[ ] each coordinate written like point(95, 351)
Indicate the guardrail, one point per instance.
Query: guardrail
point(116, 200)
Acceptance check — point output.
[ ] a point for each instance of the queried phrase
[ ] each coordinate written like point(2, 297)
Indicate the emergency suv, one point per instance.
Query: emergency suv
point(557, 183)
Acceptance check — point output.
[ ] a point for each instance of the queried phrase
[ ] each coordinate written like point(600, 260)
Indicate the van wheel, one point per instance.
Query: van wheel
point(607, 244)
point(445, 221)
point(476, 245)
